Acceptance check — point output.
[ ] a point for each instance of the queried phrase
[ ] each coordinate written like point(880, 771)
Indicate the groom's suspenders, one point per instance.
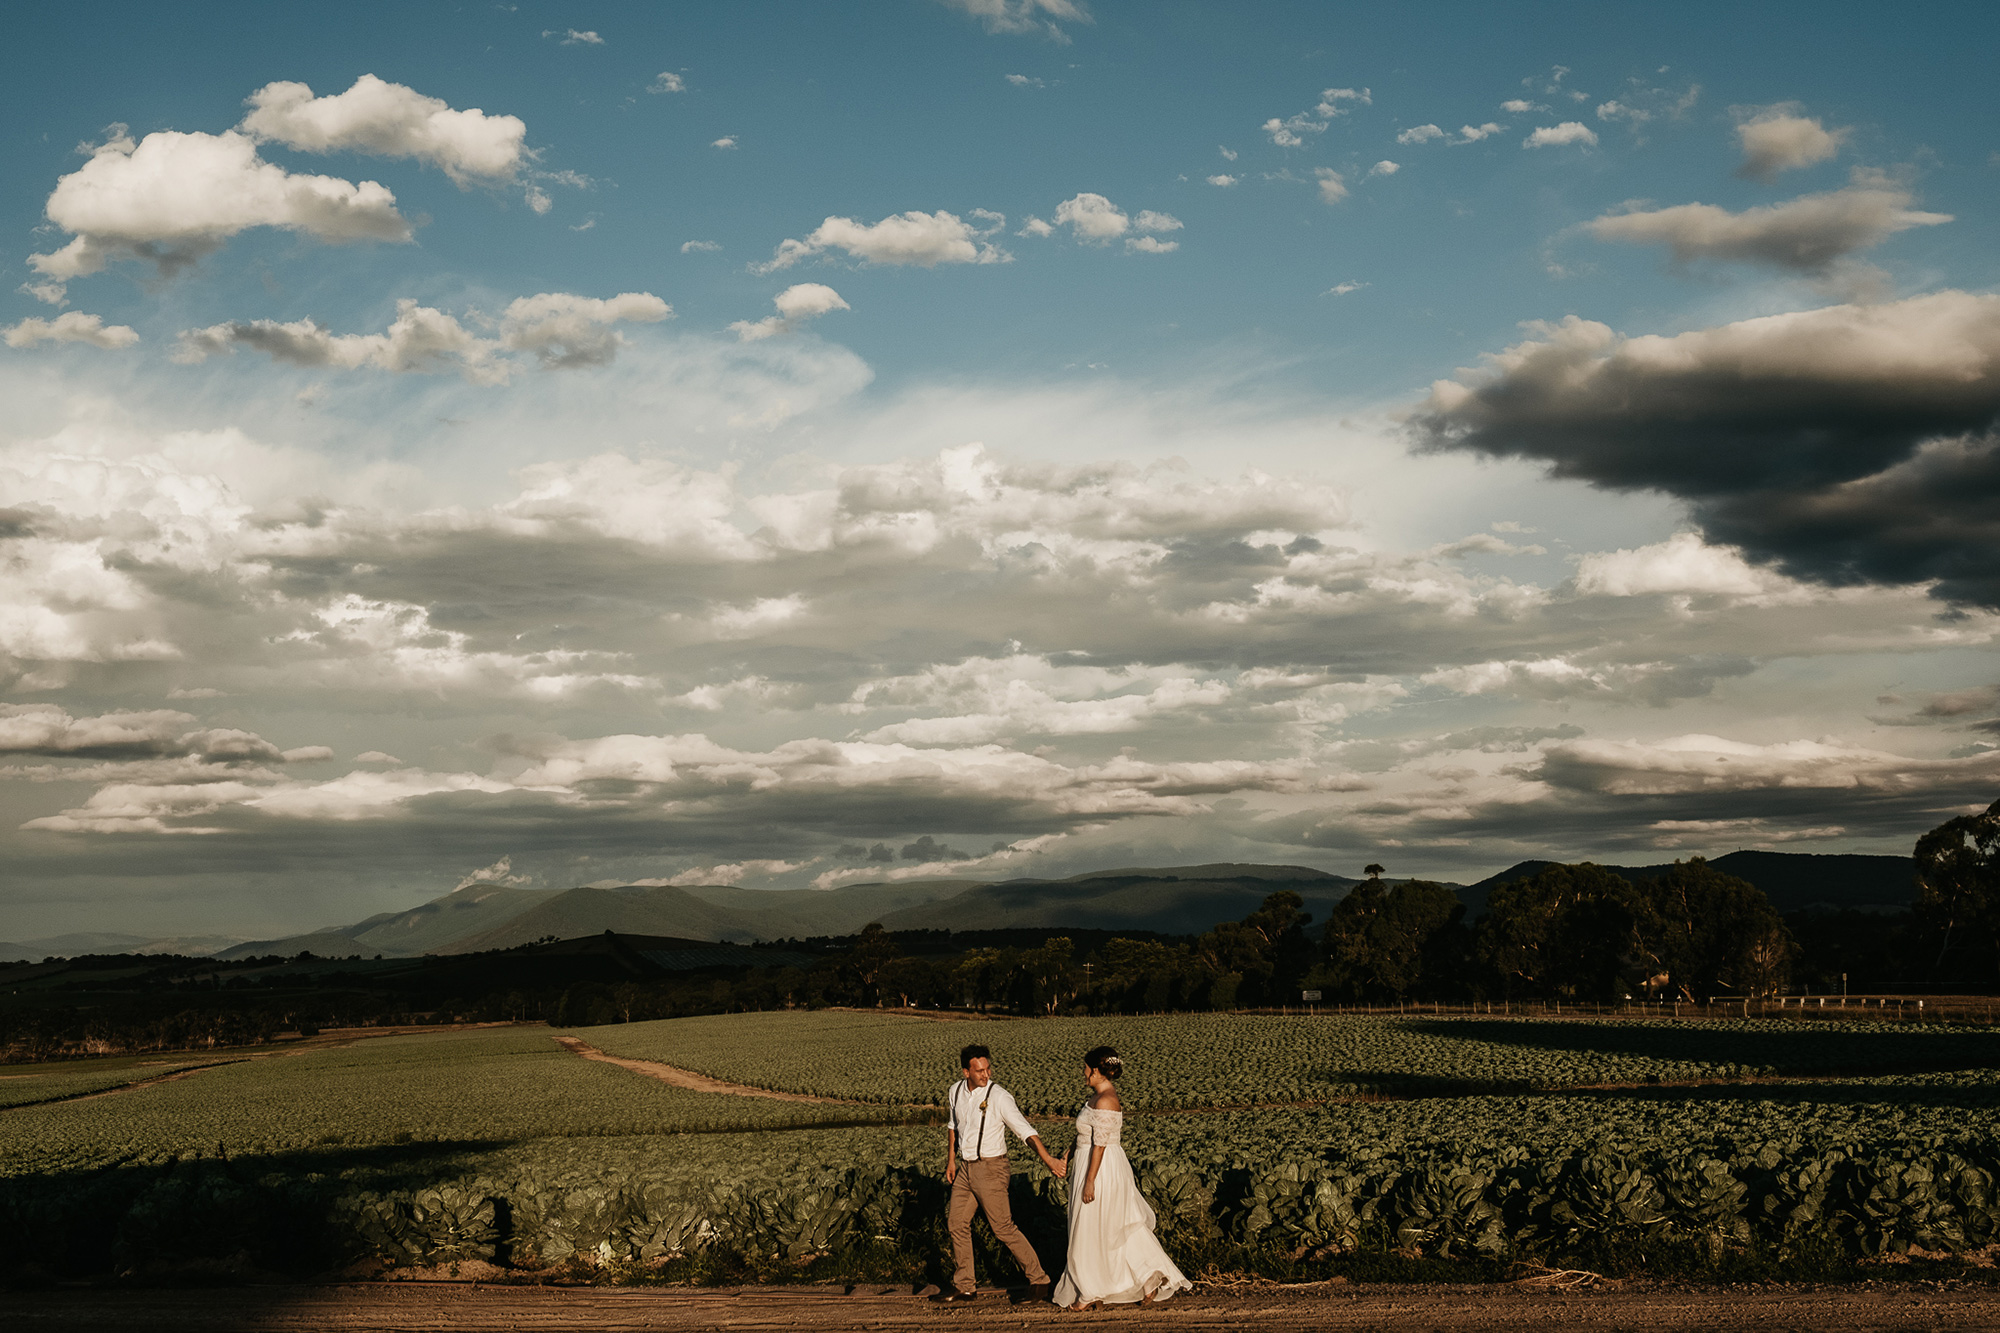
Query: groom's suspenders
point(979, 1144)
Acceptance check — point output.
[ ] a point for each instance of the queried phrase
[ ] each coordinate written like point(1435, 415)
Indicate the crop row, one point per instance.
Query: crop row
point(1876, 1178)
point(1202, 1060)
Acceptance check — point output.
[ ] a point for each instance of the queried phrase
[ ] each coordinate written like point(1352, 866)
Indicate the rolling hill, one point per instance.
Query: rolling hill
point(1793, 881)
point(1174, 900)
point(1182, 900)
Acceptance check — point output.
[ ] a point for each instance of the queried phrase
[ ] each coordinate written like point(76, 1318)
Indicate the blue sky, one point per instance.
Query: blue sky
point(1224, 252)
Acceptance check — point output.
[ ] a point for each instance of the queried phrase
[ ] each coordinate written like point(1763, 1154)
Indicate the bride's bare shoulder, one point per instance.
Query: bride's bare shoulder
point(1107, 1101)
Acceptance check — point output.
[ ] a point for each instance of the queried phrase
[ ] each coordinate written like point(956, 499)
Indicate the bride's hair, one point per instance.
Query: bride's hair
point(1105, 1061)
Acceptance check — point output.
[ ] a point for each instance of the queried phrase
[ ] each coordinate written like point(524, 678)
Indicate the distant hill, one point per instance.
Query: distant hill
point(1182, 900)
point(1793, 881)
point(1171, 900)
point(79, 943)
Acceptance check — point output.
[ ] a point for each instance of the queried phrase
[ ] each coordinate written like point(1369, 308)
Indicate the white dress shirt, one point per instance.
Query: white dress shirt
point(1000, 1114)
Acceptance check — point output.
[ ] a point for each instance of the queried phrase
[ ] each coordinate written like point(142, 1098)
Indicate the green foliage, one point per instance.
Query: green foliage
point(1204, 1060)
point(1958, 890)
point(1381, 943)
point(501, 1146)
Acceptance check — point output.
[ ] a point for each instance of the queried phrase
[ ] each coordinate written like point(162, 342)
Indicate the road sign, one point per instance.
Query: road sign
point(1309, 996)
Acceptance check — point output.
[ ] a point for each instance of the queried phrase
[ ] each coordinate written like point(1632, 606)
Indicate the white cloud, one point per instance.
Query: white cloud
point(1555, 136)
point(1474, 133)
point(921, 239)
point(1148, 220)
point(1092, 218)
point(70, 327)
point(1228, 154)
point(1041, 17)
point(1777, 139)
point(173, 197)
point(734, 872)
point(796, 305)
point(389, 120)
point(421, 339)
point(726, 142)
point(1150, 245)
point(1384, 168)
point(563, 330)
point(1615, 110)
point(500, 872)
point(1806, 234)
point(1683, 563)
point(1520, 106)
point(1024, 81)
point(1332, 102)
point(559, 329)
point(1419, 134)
point(700, 247)
point(1291, 133)
point(667, 82)
point(376, 757)
point(1332, 189)
point(1343, 288)
point(1704, 763)
point(1224, 181)
point(573, 37)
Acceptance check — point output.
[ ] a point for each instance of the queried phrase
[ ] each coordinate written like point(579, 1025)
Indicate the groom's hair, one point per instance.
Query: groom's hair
point(971, 1053)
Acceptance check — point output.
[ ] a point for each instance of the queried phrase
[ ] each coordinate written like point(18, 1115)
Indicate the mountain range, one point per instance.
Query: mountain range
point(1179, 900)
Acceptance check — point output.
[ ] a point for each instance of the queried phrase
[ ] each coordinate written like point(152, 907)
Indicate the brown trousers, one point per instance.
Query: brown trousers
point(983, 1184)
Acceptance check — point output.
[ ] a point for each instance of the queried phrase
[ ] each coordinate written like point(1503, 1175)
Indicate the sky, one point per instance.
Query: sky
point(796, 445)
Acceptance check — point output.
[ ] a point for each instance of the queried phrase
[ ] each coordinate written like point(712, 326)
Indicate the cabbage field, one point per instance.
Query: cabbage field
point(1209, 1060)
point(1854, 1140)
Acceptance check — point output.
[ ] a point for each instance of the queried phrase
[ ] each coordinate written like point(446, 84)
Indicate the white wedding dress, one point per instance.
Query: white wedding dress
point(1113, 1255)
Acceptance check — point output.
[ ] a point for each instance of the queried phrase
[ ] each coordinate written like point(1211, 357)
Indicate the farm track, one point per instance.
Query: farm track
point(1864, 1308)
point(688, 1078)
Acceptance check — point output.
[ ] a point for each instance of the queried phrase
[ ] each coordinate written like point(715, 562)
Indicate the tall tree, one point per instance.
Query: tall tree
point(1958, 891)
point(1566, 932)
point(1389, 943)
point(1711, 933)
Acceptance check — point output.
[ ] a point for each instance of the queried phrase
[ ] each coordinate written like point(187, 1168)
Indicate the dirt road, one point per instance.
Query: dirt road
point(688, 1078)
point(1444, 1309)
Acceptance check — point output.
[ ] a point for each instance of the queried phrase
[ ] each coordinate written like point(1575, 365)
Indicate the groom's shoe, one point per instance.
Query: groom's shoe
point(954, 1297)
point(1041, 1291)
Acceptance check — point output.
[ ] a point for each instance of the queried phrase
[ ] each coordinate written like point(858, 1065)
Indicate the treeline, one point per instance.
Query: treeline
point(1569, 932)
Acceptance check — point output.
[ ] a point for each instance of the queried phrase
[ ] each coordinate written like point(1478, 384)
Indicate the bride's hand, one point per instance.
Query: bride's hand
point(1089, 1191)
point(1060, 1167)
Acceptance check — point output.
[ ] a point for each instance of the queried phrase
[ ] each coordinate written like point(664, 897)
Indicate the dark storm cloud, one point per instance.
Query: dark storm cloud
point(1852, 444)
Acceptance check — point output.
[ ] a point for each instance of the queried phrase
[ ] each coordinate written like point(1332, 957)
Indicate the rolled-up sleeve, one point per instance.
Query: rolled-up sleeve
point(1010, 1115)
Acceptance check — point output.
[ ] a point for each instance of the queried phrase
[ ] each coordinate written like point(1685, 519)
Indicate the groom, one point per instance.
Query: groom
point(976, 1169)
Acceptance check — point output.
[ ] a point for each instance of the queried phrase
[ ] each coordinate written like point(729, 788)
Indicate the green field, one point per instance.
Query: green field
point(1855, 1139)
point(1206, 1060)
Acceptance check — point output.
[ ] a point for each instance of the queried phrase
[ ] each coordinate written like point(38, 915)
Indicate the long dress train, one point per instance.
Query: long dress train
point(1114, 1256)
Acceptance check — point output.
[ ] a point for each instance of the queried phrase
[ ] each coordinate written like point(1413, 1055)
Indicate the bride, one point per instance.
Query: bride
point(1113, 1254)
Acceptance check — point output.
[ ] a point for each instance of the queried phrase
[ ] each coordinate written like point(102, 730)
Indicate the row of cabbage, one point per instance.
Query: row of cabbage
point(776, 1202)
point(1200, 1060)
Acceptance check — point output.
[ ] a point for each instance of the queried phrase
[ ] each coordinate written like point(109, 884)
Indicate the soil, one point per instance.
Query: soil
point(1862, 1308)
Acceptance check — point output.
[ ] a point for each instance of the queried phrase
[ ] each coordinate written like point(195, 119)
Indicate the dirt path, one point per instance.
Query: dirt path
point(1445, 1309)
point(687, 1078)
